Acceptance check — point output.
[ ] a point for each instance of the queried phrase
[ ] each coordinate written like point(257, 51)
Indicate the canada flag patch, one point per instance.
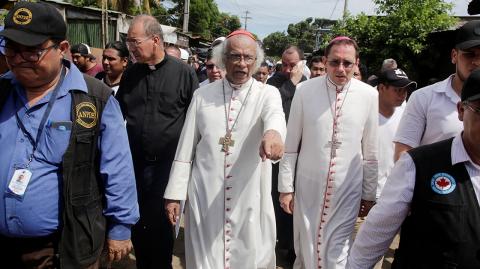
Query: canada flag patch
point(443, 183)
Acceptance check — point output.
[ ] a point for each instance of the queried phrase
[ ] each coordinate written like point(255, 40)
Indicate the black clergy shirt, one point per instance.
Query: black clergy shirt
point(154, 101)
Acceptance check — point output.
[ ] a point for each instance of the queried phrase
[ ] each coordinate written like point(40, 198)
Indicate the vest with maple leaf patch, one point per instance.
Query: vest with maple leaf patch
point(442, 229)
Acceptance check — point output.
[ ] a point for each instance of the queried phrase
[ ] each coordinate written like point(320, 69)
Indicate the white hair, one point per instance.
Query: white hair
point(219, 55)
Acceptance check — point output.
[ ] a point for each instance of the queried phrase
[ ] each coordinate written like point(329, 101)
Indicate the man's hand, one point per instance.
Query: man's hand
point(297, 73)
point(118, 249)
point(287, 202)
point(365, 207)
point(172, 208)
point(272, 146)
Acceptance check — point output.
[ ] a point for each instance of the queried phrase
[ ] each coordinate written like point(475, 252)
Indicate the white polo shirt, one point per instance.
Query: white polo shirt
point(430, 116)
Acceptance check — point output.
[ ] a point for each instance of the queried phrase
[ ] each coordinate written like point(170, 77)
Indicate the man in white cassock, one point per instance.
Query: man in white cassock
point(331, 154)
point(232, 127)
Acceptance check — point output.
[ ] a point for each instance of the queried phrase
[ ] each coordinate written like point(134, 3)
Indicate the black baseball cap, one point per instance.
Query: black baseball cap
point(468, 36)
point(31, 24)
point(471, 87)
point(81, 48)
point(396, 77)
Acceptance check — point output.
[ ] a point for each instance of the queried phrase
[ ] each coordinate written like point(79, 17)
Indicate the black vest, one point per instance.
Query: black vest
point(443, 228)
point(83, 226)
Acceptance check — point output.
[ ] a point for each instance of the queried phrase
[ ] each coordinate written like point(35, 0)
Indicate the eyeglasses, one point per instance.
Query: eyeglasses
point(237, 58)
point(475, 110)
point(136, 43)
point(30, 55)
point(337, 63)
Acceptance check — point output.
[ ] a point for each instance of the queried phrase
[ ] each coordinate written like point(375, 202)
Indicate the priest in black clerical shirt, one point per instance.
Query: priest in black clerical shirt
point(154, 96)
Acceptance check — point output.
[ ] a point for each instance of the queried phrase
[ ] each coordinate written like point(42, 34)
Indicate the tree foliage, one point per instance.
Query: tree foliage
point(205, 18)
point(301, 34)
point(399, 31)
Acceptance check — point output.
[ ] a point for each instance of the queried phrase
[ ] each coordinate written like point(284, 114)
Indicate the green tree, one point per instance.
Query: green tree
point(301, 34)
point(226, 24)
point(275, 43)
point(399, 31)
point(204, 15)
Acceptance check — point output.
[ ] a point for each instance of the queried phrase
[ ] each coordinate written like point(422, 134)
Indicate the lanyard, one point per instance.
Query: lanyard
point(20, 124)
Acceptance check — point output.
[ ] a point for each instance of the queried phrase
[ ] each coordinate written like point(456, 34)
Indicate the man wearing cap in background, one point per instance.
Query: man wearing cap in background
point(331, 155)
point(59, 131)
point(431, 114)
point(229, 221)
point(393, 87)
point(154, 95)
point(432, 194)
point(83, 58)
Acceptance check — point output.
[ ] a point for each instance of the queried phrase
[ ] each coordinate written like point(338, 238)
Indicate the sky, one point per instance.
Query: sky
point(268, 16)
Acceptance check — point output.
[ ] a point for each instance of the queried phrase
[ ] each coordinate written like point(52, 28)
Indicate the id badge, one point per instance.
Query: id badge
point(19, 182)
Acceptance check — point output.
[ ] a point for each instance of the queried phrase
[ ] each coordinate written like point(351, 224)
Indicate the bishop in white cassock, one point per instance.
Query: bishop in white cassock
point(331, 154)
point(231, 125)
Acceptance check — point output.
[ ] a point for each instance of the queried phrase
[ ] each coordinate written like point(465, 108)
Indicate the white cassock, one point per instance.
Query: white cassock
point(329, 183)
point(229, 217)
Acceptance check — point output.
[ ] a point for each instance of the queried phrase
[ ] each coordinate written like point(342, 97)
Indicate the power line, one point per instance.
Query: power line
point(333, 10)
point(246, 17)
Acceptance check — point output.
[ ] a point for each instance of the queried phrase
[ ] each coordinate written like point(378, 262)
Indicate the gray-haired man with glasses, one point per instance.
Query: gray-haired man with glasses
point(154, 95)
point(233, 126)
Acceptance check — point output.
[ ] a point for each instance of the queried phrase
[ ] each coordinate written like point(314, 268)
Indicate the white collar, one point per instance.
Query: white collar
point(332, 86)
point(459, 153)
point(240, 87)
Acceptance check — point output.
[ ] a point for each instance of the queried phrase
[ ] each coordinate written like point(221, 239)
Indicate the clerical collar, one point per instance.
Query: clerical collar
point(154, 67)
point(332, 85)
point(240, 87)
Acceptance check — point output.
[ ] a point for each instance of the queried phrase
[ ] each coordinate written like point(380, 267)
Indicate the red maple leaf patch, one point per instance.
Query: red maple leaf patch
point(443, 183)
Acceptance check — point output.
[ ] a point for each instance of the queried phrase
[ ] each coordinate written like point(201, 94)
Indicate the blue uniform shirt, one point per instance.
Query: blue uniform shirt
point(37, 213)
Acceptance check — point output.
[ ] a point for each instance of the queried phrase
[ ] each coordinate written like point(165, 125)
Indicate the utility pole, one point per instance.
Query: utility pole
point(186, 16)
point(345, 9)
point(246, 18)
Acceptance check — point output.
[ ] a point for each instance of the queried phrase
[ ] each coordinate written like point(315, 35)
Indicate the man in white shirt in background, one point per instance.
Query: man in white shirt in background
point(393, 86)
point(431, 113)
point(432, 194)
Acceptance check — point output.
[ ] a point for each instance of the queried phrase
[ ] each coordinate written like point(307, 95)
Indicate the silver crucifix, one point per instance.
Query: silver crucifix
point(334, 145)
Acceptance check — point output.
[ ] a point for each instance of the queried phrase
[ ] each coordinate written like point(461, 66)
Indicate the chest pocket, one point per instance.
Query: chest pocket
point(55, 141)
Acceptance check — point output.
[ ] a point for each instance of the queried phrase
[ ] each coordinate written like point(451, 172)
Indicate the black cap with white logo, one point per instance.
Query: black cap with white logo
point(396, 77)
point(31, 24)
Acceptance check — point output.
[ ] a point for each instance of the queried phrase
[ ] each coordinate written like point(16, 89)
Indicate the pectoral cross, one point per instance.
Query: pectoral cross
point(226, 142)
point(334, 145)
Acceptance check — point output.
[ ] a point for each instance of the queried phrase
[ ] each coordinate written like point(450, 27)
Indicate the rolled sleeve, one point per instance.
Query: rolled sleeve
point(412, 125)
point(116, 168)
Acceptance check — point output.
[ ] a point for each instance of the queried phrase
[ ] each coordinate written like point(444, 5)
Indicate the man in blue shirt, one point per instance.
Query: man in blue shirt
point(66, 175)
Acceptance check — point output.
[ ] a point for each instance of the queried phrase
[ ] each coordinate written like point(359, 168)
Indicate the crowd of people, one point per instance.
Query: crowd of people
point(259, 160)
